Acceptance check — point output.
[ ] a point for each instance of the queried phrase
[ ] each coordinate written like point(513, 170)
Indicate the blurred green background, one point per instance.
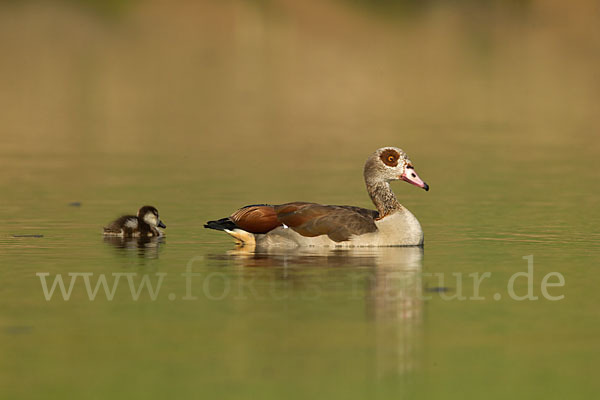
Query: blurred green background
point(200, 107)
point(149, 76)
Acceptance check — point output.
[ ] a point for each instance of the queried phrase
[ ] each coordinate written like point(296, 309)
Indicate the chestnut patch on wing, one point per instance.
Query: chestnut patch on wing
point(390, 157)
point(256, 219)
point(340, 223)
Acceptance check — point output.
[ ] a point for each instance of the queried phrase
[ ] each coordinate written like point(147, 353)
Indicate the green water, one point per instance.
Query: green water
point(280, 107)
point(305, 323)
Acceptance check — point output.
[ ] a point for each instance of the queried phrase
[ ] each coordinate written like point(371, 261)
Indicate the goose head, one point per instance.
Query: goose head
point(149, 215)
point(391, 164)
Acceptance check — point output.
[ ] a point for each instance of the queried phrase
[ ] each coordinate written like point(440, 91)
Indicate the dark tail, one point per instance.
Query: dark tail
point(221, 224)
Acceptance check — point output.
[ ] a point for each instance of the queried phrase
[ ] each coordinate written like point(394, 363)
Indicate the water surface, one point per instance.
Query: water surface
point(275, 105)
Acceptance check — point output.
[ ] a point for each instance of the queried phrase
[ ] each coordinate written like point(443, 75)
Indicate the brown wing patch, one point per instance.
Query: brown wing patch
point(337, 222)
point(256, 219)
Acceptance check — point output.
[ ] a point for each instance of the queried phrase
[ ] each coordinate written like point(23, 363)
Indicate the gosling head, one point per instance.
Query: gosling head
point(391, 164)
point(149, 215)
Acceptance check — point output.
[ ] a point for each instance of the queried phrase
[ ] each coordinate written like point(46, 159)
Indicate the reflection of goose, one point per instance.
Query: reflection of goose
point(387, 279)
point(311, 224)
point(147, 247)
point(395, 302)
point(403, 258)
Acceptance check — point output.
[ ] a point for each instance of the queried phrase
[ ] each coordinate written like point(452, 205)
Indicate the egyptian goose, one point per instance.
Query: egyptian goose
point(311, 224)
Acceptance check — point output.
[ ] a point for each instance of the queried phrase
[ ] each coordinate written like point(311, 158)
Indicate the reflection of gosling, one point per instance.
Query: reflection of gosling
point(143, 225)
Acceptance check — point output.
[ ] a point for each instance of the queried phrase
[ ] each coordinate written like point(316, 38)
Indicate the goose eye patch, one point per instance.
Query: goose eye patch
point(390, 157)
